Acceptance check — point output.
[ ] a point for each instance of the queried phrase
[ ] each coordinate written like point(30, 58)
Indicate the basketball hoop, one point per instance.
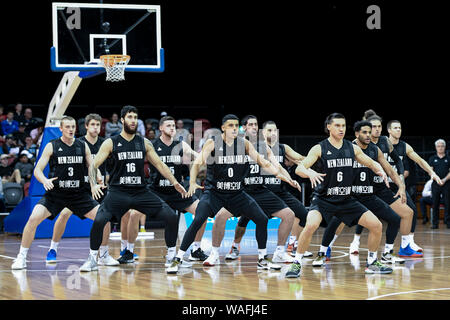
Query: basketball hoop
point(115, 66)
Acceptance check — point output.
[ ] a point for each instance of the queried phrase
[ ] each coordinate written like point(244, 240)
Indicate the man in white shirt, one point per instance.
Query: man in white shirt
point(426, 200)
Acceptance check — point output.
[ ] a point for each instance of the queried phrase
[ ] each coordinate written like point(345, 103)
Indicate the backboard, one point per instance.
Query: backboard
point(84, 31)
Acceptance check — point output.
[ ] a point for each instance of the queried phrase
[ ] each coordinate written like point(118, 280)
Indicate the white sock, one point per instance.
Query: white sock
point(54, 245)
point(23, 251)
point(292, 239)
point(123, 244)
point(334, 239)
point(93, 253)
point(262, 253)
point(388, 247)
point(356, 238)
point(296, 244)
point(411, 237)
point(371, 257)
point(280, 248)
point(171, 252)
point(130, 247)
point(180, 254)
point(196, 246)
point(236, 245)
point(215, 250)
point(323, 249)
point(298, 258)
point(405, 241)
point(103, 250)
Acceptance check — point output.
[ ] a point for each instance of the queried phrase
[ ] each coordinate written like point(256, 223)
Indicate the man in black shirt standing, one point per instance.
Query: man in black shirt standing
point(404, 151)
point(67, 158)
point(128, 187)
point(440, 163)
point(93, 141)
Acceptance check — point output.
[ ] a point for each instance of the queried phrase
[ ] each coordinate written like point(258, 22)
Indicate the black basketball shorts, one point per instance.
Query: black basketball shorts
point(79, 203)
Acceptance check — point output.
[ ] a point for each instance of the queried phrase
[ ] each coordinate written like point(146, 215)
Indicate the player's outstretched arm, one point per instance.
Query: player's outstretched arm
point(201, 159)
point(101, 156)
point(263, 163)
point(293, 155)
point(283, 172)
point(393, 175)
point(188, 153)
point(40, 166)
point(154, 159)
point(303, 167)
point(422, 163)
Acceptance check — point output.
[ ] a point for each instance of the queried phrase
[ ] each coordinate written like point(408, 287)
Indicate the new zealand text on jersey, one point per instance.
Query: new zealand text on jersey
point(338, 163)
point(171, 159)
point(130, 155)
point(70, 159)
point(232, 159)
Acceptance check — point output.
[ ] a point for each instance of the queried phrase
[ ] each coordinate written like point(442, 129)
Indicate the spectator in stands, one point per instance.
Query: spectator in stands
point(30, 146)
point(9, 125)
point(207, 135)
point(18, 113)
point(141, 128)
point(20, 135)
point(36, 133)
point(29, 121)
point(426, 200)
point(7, 172)
point(180, 124)
point(151, 135)
point(2, 116)
point(113, 127)
point(24, 165)
point(10, 146)
point(440, 162)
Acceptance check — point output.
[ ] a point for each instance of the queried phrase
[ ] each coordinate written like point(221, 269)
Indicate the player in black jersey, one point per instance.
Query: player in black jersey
point(127, 186)
point(268, 187)
point(175, 154)
point(333, 194)
point(405, 150)
point(93, 141)
point(272, 205)
point(283, 151)
point(363, 190)
point(67, 158)
point(397, 203)
point(227, 158)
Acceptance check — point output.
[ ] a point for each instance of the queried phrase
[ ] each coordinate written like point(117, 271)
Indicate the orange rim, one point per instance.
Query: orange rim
point(112, 59)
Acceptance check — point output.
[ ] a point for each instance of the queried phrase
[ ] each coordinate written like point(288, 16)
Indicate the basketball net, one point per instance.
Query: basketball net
point(115, 66)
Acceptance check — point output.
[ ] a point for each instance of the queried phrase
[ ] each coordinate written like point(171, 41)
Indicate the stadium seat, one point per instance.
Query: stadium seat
point(13, 194)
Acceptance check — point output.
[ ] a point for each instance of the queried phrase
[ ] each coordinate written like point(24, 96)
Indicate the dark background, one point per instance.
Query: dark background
point(291, 61)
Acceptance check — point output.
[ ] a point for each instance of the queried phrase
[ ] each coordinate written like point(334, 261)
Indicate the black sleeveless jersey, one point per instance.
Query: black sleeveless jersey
point(227, 166)
point(400, 148)
point(68, 163)
point(254, 180)
point(363, 176)
point(337, 164)
point(94, 150)
point(172, 156)
point(383, 144)
point(128, 162)
point(272, 183)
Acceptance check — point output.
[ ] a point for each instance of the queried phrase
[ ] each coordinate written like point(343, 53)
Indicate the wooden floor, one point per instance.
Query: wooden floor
point(343, 277)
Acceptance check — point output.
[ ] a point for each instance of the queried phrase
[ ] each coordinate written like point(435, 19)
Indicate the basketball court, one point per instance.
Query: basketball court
point(110, 40)
point(342, 278)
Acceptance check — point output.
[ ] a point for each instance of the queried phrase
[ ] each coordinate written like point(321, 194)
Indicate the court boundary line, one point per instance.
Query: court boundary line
point(405, 292)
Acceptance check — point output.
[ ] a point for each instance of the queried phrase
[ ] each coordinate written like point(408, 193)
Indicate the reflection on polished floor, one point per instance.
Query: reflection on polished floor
point(343, 277)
